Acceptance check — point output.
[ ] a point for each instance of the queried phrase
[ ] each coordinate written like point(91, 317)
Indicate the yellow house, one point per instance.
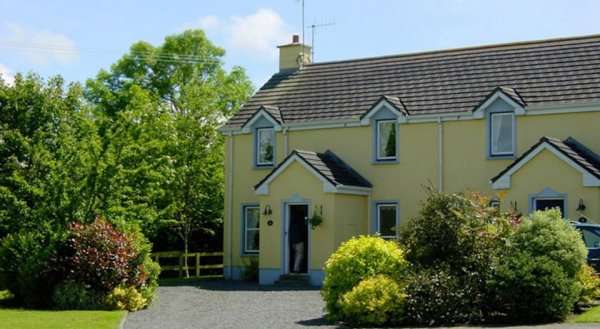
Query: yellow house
point(349, 145)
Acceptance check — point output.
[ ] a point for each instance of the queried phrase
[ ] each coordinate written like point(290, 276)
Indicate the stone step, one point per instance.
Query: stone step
point(293, 280)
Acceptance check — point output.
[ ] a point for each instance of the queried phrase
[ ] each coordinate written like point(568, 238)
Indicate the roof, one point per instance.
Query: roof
point(328, 165)
point(448, 81)
point(570, 148)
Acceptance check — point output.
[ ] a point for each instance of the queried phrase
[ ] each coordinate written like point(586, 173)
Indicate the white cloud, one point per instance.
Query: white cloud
point(256, 34)
point(42, 46)
point(6, 75)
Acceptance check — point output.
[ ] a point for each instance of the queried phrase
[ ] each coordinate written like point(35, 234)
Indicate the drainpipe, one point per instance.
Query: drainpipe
point(440, 154)
point(285, 140)
point(369, 212)
point(230, 201)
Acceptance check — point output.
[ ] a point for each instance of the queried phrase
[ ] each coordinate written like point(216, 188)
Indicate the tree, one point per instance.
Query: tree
point(159, 109)
point(46, 135)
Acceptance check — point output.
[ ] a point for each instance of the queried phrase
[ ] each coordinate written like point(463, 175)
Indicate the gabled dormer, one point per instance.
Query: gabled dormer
point(384, 117)
point(500, 109)
point(263, 124)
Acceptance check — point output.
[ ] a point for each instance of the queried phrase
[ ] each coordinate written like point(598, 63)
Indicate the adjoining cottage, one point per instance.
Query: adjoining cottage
point(354, 142)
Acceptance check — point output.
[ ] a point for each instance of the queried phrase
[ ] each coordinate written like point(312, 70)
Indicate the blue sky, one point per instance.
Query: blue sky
point(77, 38)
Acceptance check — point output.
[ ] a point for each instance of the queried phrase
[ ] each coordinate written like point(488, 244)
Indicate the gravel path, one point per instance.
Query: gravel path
point(221, 304)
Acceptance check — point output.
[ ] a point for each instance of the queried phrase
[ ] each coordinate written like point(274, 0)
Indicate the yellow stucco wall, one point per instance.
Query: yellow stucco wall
point(465, 167)
point(546, 170)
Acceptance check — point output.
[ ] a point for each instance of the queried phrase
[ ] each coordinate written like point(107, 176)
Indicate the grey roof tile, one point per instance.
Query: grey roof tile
point(328, 165)
point(447, 81)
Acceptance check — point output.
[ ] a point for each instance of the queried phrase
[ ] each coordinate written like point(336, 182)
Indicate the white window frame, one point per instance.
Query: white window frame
point(378, 156)
point(257, 147)
point(378, 207)
point(512, 134)
point(246, 229)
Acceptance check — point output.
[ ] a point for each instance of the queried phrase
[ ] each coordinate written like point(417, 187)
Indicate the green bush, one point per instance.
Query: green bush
point(374, 301)
point(456, 238)
point(545, 233)
point(24, 259)
point(76, 296)
point(534, 289)
point(438, 297)
point(357, 259)
point(537, 279)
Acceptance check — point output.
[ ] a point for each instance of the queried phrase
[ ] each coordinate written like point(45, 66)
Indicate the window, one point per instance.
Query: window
point(251, 229)
point(387, 220)
point(502, 134)
point(386, 140)
point(265, 141)
point(549, 203)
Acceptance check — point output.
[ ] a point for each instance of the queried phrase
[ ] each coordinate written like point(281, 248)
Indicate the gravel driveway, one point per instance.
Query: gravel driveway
point(222, 304)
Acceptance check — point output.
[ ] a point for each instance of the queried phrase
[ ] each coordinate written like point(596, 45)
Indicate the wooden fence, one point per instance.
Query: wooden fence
point(195, 266)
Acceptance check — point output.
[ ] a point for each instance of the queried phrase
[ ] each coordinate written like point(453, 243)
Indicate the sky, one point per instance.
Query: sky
point(75, 39)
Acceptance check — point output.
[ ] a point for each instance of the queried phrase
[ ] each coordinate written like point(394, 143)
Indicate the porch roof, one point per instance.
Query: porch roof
point(328, 166)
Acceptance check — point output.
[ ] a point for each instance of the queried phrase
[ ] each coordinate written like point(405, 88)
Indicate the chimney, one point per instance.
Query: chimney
point(293, 56)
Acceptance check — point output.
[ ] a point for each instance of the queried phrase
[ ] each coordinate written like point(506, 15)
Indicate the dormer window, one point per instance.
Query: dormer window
point(386, 140)
point(265, 147)
point(502, 134)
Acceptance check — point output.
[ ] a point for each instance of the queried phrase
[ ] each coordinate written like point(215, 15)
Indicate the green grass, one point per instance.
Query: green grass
point(590, 316)
point(27, 319)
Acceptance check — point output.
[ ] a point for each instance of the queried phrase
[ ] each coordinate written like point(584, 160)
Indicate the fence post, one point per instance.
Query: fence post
point(198, 264)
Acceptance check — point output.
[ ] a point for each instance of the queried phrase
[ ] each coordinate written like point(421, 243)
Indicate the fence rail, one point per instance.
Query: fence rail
point(196, 266)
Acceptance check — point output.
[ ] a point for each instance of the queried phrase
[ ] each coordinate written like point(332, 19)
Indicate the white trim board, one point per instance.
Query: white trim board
point(504, 181)
point(261, 113)
point(479, 112)
point(328, 187)
point(534, 109)
point(383, 104)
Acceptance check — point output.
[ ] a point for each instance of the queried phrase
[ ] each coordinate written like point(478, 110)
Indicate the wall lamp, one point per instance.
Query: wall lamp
point(581, 206)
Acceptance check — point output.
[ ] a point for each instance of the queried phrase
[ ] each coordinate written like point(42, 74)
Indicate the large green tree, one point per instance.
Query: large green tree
point(158, 110)
point(46, 138)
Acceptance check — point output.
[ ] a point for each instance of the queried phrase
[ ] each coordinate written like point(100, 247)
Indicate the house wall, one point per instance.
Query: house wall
point(466, 166)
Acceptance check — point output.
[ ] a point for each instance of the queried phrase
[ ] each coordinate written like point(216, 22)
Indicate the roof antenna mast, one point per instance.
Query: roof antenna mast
point(313, 27)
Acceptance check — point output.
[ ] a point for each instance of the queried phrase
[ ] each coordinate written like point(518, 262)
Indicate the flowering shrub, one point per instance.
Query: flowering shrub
point(357, 259)
point(374, 301)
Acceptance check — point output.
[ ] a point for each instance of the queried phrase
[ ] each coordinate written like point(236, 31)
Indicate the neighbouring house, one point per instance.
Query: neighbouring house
point(354, 142)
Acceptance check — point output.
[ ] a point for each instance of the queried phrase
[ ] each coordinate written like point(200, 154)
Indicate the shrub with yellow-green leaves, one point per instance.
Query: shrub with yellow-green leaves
point(126, 298)
point(355, 260)
point(374, 301)
point(589, 283)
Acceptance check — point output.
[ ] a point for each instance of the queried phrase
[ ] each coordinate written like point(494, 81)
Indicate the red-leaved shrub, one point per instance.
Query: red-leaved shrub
point(100, 256)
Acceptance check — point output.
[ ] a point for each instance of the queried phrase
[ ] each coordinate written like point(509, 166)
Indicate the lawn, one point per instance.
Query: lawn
point(592, 315)
point(27, 319)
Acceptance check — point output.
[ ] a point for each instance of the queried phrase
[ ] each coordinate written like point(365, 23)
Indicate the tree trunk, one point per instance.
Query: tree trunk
point(186, 238)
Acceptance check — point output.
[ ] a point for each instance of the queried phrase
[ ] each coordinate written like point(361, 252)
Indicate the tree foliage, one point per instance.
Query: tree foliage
point(138, 144)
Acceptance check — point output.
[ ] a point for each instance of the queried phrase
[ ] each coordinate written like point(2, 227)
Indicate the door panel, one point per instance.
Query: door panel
point(298, 239)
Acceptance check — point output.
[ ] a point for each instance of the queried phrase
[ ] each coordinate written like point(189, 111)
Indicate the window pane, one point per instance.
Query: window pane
point(265, 146)
point(252, 240)
point(387, 221)
point(591, 237)
point(545, 204)
point(387, 139)
point(252, 217)
point(502, 133)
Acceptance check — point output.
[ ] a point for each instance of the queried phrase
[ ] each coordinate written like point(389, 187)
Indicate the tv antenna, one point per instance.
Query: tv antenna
point(312, 28)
